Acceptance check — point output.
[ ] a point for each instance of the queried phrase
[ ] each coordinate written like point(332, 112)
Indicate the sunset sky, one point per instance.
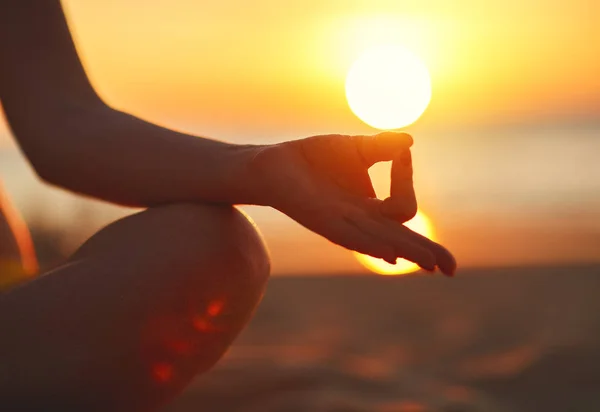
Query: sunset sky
point(504, 154)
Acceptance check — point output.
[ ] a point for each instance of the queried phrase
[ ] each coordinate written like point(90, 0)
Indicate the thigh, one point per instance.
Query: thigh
point(17, 256)
point(141, 308)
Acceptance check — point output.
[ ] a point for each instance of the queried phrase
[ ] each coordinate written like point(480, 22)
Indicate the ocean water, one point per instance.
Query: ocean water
point(519, 171)
point(521, 339)
point(533, 190)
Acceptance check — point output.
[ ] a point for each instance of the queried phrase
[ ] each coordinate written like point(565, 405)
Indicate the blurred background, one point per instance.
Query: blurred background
point(504, 154)
point(506, 169)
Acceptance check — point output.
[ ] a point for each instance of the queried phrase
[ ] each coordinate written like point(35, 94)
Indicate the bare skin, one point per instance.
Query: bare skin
point(156, 298)
point(17, 256)
point(135, 314)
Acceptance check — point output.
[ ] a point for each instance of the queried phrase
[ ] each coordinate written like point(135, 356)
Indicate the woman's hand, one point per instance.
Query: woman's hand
point(322, 182)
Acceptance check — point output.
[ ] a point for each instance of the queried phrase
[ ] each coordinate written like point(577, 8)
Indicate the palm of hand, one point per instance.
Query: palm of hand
point(322, 182)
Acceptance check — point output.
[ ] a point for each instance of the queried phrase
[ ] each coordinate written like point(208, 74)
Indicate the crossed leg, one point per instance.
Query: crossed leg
point(139, 310)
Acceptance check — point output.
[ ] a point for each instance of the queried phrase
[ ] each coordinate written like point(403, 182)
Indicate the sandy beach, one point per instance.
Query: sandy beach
point(523, 339)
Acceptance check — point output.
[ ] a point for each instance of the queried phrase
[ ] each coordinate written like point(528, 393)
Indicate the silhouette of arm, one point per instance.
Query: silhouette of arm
point(74, 140)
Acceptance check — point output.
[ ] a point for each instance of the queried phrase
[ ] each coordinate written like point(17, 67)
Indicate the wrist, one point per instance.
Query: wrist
point(246, 177)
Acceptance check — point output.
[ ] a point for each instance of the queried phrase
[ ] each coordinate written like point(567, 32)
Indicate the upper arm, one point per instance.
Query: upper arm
point(41, 75)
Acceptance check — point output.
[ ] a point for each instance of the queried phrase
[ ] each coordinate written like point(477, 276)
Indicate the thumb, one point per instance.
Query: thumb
point(383, 146)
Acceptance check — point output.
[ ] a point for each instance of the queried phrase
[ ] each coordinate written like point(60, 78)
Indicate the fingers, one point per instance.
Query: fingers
point(444, 259)
point(399, 235)
point(388, 240)
point(402, 203)
point(404, 247)
point(345, 234)
point(382, 147)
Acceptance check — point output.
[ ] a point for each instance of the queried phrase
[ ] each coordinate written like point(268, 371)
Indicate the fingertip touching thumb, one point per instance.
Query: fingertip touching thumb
point(394, 141)
point(384, 146)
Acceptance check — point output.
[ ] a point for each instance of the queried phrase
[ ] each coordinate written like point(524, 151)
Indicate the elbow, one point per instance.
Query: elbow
point(47, 160)
point(46, 175)
point(46, 169)
point(52, 152)
point(59, 171)
point(41, 144)
point(54, 142)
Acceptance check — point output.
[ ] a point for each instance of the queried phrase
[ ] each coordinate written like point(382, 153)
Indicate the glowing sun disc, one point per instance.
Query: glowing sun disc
point(420, 224)
point(388, 87)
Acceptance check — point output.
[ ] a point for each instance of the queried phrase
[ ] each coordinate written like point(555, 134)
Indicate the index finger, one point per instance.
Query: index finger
point(382, 147)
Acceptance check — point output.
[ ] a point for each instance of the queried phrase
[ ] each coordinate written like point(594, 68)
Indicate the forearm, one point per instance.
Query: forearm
point(117, 157)
point(76, 141)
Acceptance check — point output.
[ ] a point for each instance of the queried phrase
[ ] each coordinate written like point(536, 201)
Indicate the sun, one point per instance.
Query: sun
point(388, 87)
point(420, 224)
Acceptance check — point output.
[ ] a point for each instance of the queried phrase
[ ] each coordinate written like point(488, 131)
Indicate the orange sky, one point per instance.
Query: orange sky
point(237, 70)
point(270, 70)
point(268, 64)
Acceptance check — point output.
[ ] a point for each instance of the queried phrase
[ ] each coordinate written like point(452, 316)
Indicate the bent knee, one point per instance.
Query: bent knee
point(214, 239)
point(220, 236)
